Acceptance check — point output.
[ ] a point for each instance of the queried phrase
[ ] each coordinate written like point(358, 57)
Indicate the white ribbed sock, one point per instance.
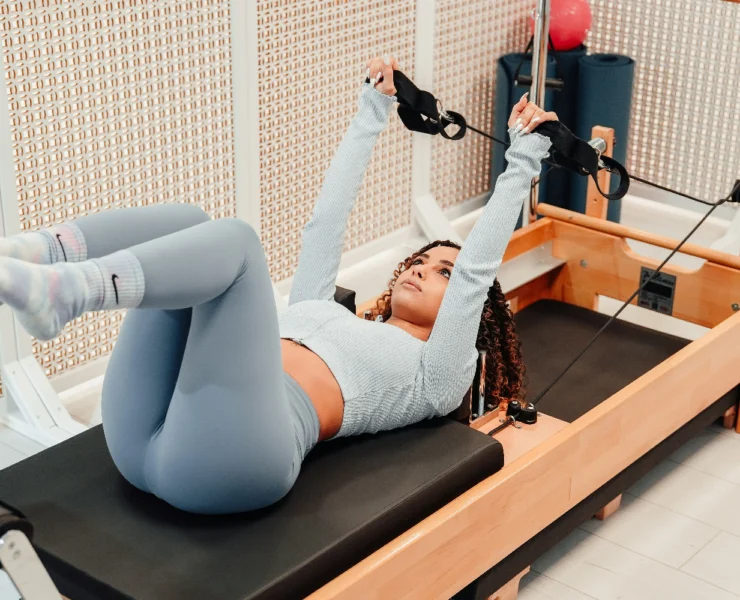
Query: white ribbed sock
point(60, 243)
point(47, 297)
point(114, 281)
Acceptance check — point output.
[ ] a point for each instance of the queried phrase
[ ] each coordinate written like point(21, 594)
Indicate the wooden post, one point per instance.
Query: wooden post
point(596, 204)
point(609, 509)
point(510, 590)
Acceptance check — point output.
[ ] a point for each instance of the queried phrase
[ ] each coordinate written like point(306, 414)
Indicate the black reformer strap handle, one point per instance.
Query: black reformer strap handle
point(420, 111)
point(415, 104)
point(579, 156)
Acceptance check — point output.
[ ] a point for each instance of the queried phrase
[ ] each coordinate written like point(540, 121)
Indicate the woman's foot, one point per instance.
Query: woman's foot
point(47, 297)
point(60, 243)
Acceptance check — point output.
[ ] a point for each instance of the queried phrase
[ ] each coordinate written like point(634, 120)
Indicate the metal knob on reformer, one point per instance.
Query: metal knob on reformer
point(516, 414)
point(599, 144)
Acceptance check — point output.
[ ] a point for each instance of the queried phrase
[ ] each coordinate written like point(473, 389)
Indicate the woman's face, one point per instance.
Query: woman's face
point(418, 292)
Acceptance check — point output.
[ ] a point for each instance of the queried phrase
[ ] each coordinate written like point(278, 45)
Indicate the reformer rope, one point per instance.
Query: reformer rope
point(568, 152)
point(714, 205)
point(633, 296)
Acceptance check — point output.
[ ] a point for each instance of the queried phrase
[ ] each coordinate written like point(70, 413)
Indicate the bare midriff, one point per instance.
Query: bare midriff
point(319, 383)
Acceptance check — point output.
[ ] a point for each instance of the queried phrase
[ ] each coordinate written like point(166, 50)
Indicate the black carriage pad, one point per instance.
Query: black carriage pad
point(101, 538)
point(552, 333)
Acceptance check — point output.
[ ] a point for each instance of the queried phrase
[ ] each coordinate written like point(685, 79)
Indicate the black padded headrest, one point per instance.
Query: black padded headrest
point(101, 538)
point(346, 298)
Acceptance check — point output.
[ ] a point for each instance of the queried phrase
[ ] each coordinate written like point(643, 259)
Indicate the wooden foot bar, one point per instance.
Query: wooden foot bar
point(595, 224)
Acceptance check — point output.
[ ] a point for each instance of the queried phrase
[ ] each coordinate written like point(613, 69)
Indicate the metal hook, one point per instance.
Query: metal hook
point(443, 113)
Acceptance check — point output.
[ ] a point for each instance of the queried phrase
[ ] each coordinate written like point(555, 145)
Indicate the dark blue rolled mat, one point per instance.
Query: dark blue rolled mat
point(604, 98)
point(507, 95)
point(565, 103)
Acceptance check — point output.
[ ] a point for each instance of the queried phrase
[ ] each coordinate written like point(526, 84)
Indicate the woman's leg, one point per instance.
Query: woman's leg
point(179, 273)
point(139, 382)
point(103, 233)
point(113, 230)
point(226, 440)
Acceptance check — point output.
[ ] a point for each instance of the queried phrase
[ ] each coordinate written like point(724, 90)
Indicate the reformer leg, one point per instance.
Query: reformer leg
point(22, 564)
point(509, 591)
point(609, 509)
point(729, 418)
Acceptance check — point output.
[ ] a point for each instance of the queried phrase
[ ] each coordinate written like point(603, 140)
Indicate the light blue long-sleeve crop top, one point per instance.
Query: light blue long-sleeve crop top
point(389, 378)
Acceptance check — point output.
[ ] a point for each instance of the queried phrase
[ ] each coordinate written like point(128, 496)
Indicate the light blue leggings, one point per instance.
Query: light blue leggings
point(196, 407)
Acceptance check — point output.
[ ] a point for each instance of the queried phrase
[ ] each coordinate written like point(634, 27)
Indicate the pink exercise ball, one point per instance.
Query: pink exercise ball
point(570, 22)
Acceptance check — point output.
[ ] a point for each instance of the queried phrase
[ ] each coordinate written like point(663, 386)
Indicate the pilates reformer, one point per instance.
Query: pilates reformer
point(440, 509)
point(462, 514)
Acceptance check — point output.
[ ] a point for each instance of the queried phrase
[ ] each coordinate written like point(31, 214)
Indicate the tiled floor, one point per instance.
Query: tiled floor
point(676, 536)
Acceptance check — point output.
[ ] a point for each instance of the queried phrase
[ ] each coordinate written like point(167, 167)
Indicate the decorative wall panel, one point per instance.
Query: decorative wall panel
point(112, 104)
point(685, 122)
point(312, 57)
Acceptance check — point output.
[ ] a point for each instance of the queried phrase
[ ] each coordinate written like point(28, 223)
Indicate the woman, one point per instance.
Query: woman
point(211, 401)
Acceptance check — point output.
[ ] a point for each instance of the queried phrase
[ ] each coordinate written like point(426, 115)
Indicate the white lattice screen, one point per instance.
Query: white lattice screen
point(685, 125)
point(470, 37)
point(116, 104)
point(312, 57)
point(685, 122)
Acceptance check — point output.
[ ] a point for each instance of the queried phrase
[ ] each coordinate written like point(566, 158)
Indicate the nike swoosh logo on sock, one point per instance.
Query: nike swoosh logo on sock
point(115, 288)
point(59, 239)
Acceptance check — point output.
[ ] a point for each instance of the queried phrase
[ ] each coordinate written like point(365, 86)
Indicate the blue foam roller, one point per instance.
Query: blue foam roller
point(604, 98)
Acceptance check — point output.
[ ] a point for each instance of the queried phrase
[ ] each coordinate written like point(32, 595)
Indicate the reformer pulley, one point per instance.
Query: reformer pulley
point(516, 413)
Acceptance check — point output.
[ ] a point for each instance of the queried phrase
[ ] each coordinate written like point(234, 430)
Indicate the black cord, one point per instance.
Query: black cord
point(629, 301)
point(665, 189)
point(495, 139)
point(555, 166)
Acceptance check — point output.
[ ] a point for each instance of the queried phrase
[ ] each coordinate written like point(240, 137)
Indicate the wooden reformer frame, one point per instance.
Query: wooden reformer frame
point(539, 484)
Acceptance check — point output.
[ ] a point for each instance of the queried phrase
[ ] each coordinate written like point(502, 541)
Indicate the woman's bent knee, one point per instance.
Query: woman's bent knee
point(242, 231)
point(193, 212)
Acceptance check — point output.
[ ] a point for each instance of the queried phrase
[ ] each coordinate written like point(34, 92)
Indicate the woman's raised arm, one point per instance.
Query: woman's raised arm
point(323, 236)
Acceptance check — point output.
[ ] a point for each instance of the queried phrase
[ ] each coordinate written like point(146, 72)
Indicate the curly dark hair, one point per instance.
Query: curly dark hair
point(496, 335)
